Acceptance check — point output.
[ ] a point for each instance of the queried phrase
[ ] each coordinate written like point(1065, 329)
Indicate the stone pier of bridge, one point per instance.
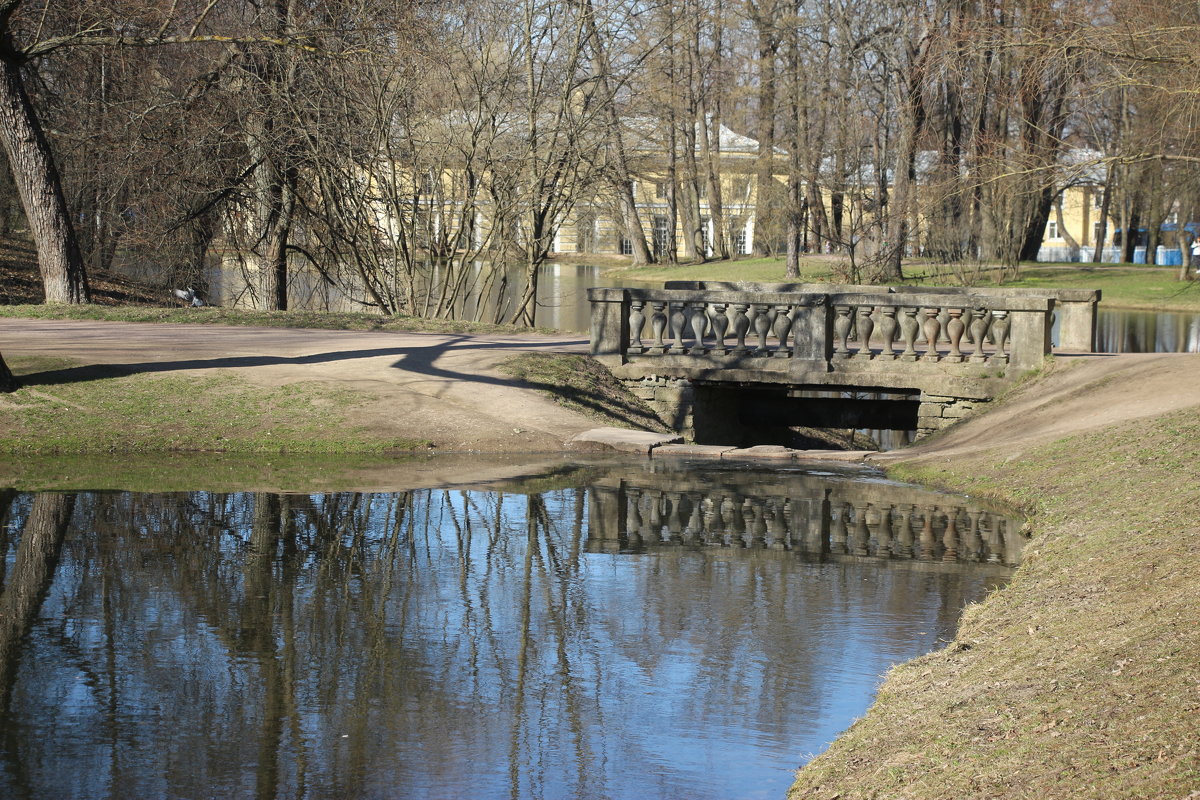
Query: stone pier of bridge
point(716, 361)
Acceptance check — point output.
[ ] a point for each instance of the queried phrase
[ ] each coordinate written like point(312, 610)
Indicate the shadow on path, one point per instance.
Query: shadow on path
point(416, 359)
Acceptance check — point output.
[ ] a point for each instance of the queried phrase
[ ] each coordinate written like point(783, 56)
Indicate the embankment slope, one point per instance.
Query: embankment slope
point(1081, 679)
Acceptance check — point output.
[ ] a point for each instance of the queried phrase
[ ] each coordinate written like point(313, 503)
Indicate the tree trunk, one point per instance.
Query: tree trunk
point(1035, 231)
point(1072, 242)
point(8, 382)
point(765, 163)
point(1102, 231)
point(36, 176)
point(32, 574)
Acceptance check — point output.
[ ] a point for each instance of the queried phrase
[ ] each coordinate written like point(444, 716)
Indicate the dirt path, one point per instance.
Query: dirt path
point(1077, 393)
point(443, 388)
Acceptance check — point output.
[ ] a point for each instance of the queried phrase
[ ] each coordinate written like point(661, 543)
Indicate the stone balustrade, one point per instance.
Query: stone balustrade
point(820, 331)
point(1075, 309)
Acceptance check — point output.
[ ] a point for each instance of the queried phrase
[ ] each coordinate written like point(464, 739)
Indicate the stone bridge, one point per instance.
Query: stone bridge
point(720, 362)
point(817, 518)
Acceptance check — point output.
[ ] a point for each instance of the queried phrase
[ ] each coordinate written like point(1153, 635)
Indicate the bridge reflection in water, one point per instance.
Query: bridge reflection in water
point(499, 641)
point(809, 517)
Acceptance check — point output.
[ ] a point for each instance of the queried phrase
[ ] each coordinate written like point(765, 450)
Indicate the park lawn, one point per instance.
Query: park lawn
point(1123, 286)
point(1126, 286)
point(67, 411)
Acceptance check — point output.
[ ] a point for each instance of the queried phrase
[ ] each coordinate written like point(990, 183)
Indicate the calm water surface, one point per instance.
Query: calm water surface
point(639, 632)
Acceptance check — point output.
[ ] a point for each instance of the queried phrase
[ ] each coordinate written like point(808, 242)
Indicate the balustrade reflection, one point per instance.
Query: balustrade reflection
point(824, 525)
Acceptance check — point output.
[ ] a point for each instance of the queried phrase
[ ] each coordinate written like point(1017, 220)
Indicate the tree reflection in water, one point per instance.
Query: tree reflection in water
point(432, 644)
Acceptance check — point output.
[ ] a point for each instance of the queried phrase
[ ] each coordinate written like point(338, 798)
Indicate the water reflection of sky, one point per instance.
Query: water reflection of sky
point(434, 645)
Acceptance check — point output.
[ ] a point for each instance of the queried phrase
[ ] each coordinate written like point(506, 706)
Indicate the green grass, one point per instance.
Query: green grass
point(1123, 287)
point(148, 413)
point(320, 320)
point(1079, 679)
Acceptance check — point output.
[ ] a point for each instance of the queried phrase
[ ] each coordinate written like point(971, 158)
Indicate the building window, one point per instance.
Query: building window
point(662, 235)
point(426, 183)
point(660, 190)
point(1052, 230)
point(740, 240)
point(705, 239)
point(1097, 198)
point(1096, 233)
point(626, 246)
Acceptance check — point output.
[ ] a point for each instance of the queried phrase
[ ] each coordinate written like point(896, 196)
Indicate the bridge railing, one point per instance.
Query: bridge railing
point(829, 331)
point(1074, 308)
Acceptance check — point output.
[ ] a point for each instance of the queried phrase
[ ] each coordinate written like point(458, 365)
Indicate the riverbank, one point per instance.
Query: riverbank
point(1081, 679)
point(120, 387)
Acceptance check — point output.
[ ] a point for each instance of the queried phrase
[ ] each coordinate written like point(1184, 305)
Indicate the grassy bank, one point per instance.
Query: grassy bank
point(319, 320)
point(1123, 285)
point(1081, 679)
point(68, 409)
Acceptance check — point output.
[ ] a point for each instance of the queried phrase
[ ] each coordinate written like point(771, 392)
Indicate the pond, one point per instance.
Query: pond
point(629, 629)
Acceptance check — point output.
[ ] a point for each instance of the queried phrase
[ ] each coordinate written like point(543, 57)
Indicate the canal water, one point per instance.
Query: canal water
point(603, 631)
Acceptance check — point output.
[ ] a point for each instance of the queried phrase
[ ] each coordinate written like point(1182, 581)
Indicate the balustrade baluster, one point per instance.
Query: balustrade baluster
point(776, 525)
point(720, 325)
point(887, 329)
point(860, 534)
point(637, 320)
point(741, 324)
point(866, 326)
point(909, 329)
point(633, 517)
point(838, 531)
point(902, 547)
point(933, 327)
point(699, 323)
point(954, 328)
point(658, 325)
point(673, 532)
point(972, 541)
point(979, 325)
point(1000, 323)
point(841, 332)
point(678, 323)
point(950, 536)
point(944, 319)
point(711, 515)
point(783, 327)
point(756, 529)
point(927, 541)
point(728, 522)
point(994, 543)
point(762, 326)
point(654, 518)
point(883, 533)
point(694, 524)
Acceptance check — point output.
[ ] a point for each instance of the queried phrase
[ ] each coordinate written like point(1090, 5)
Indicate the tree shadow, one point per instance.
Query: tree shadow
point(421, 360)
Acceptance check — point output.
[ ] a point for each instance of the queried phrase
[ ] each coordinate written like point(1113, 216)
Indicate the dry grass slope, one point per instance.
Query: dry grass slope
point(1082, 678)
